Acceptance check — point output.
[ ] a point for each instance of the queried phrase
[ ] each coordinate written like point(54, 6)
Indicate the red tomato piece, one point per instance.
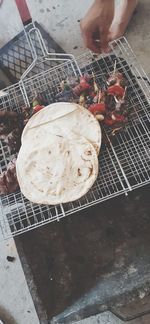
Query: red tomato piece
point(37, 108)
point(84, 84)
point(97, 107)
point(119, 118)
point(92, 94)
point(109, 121)
point(77, 90)
point(116, 90)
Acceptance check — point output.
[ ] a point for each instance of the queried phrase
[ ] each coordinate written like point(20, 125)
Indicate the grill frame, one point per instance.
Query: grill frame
point(124, 160)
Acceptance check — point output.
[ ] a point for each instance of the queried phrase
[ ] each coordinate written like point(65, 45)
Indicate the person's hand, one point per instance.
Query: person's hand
point(96, 24)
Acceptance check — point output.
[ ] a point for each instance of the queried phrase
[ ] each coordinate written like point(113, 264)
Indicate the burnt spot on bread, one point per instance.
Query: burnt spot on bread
point(88, 152)
point(85, 159)
point(79, 172)
point(34, 184)
point(33, 164)
point(90, 171)
point(39, 189)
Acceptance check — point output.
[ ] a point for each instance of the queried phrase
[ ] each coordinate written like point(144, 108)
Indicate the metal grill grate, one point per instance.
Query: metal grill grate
point(17, 55)
point(124, 161)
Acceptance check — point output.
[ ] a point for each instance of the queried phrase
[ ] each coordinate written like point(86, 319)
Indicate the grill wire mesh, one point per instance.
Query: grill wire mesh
point(16, 55)
point(124, 160)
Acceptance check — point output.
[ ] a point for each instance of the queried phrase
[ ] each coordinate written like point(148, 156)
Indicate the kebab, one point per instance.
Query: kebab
point(10, 130)
point(108, 106)
point(8, 179)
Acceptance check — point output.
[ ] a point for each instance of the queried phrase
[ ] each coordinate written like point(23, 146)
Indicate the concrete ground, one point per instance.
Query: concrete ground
point(62, 22)
point(16, 305)
point(108, 318)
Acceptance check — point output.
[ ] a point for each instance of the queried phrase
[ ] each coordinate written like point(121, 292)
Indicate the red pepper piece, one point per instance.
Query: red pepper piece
point(116, 90)
point(109, 121)
point(97, 107)
point(92, 94)
point(77, 90)
point(37, 108)
point(85, 87)
point(80, 88)
point(87, 77)
point(83, 80)
point(84, 84)
point(119, 118)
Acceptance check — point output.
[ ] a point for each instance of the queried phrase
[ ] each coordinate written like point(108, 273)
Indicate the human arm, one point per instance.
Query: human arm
point(96, 24)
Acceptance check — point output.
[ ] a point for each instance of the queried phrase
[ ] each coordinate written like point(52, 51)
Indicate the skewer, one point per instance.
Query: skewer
point(125, 90)
point(115, 130)
point(93, 75)
point(115, 67)
point(95, 84)
point(99, 96)
point(116, 99)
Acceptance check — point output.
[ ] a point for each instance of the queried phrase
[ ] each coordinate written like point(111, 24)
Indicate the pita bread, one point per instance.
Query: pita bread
point(69, 117)
point(56, 169)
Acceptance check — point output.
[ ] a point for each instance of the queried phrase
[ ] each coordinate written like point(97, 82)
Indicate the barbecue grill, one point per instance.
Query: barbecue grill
point(124, 159)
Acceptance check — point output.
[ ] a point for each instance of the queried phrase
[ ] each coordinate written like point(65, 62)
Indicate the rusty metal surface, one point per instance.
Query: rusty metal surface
point(97, 259)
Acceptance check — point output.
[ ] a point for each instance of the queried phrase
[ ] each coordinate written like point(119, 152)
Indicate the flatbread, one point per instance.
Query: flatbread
point(56, 169)
point(69, 117)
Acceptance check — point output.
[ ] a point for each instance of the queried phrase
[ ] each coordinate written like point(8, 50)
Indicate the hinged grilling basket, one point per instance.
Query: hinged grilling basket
point(124, 161)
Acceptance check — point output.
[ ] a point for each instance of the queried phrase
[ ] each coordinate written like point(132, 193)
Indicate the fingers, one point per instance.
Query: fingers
point(104, 36)
point(97, 20)
point(96, 41)
point(91, 43)
point(96, 45)
point(89, 40)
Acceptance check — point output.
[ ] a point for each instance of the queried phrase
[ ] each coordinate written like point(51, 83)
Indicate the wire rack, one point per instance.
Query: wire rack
point(18, 54)
point(124, 161)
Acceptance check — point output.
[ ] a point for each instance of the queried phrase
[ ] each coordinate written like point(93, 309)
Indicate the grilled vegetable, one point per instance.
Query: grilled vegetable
point(99, 117)
point(118, 117)
point(37, 108)
point(109, 121)
point(97, 107)
point(116, 90)
point(115, 78)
